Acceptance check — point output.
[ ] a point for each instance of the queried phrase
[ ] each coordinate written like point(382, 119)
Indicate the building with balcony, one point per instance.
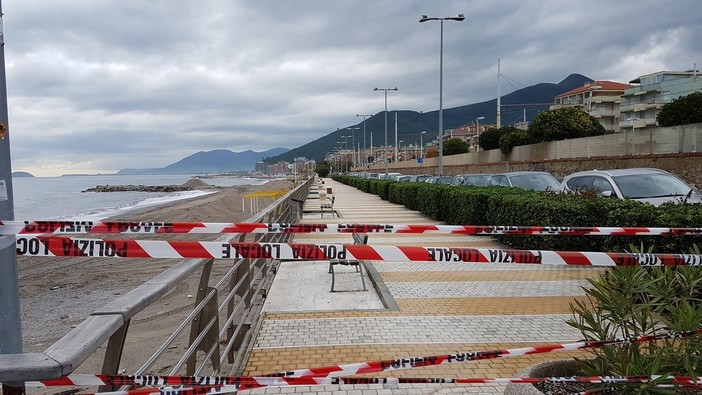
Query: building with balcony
point(641, 103)
point(600, 99)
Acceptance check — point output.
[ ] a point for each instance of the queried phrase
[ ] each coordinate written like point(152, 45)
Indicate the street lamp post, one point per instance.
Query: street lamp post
point(385, 156)
point(399, 146)
point(364, 133)
point(425, 18)
point(353, 145)
point(477, 129)
point(421, 146)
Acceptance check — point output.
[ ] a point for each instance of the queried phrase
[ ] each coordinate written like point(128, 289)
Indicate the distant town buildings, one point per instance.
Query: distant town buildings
point(600, 99)
point(641, 104)
point(618, 106)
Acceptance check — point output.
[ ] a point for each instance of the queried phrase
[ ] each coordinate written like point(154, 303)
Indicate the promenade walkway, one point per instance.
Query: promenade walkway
point(412, 309)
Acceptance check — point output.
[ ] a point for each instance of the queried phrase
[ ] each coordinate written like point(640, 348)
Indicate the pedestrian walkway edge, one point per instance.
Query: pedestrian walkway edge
point(380, 287)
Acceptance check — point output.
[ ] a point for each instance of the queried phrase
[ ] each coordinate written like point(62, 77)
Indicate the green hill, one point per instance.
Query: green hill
point(533, 99)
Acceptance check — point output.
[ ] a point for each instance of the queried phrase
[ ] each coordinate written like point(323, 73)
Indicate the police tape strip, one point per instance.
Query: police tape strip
point(112, 248)
point(336, 371)
point(197, 390)
point(416, 362)
point(250, 382)
point(96, 227)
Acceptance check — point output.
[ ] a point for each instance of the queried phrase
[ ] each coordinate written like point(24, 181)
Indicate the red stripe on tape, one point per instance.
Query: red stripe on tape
point(415, 253)
point(574, 258)
point(364, 252)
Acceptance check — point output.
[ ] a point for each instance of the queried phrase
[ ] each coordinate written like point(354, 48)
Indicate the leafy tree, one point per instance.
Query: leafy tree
point(564, 123)
point(431, 152)
point(490, 139)
point(322, 169)
point(681, 111)
point(514, 138)
point(455, 146)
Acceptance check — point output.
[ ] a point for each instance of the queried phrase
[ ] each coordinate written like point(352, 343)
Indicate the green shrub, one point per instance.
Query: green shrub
point(637, 301)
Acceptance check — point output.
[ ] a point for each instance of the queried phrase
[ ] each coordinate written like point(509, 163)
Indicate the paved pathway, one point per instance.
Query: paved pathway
point(430, 308)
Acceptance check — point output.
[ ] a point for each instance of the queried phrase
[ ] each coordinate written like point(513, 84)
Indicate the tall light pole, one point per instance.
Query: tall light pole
point(385, 156)
point(353, 145)
point(477, 129)
point(425, 18)
point(421, 145)
point(364, 132)
point(346, 153)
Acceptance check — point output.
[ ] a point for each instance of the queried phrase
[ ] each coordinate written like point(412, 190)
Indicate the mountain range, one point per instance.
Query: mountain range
point(515, 107)
point(523, 103)
point(215, 161)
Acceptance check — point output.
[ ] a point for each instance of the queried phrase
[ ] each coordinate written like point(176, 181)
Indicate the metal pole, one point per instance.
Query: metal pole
point(385, 156)
point(425, 18)
point(441, 101)
point(396, 142)
point(364, 131)
point(10, 319)
point(385, 150)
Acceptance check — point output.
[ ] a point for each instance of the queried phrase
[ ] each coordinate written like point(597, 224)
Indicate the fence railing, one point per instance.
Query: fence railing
point(218, 326)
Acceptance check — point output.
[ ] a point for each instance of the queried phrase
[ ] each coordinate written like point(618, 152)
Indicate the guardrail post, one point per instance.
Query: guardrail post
point(113, 355)
point(244, 293)
point(209, 311)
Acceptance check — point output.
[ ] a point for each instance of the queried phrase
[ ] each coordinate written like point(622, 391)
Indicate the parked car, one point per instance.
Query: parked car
point(446, 180)
point(388, 176)
point(419, 178)
point(646, 185)
point(481, 179)
point(535, 180)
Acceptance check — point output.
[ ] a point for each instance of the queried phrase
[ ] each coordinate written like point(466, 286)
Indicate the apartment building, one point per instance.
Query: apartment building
point(600, 99)
point(641, 103)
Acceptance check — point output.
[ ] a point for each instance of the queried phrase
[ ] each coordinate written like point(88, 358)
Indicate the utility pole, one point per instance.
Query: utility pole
point(10, 321)
point(499, 93)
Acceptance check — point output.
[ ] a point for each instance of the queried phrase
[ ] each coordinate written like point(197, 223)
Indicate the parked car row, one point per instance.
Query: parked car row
point(648, 185)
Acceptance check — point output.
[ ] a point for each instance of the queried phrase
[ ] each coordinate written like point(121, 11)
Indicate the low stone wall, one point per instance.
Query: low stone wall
point(687, 166)
point(672, 149)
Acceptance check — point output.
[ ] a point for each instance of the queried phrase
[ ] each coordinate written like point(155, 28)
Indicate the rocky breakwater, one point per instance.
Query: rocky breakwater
point(139, 188)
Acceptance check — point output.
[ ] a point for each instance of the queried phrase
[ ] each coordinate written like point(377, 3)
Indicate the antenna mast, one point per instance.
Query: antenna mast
point(498, 119)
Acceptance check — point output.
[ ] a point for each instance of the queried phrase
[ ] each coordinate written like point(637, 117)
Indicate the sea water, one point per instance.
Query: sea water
point(43, 198)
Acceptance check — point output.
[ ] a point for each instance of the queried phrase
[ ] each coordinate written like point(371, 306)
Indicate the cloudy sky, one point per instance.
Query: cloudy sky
point(101, 85)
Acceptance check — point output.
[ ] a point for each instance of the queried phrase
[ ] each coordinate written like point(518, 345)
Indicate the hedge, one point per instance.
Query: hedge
point(472, 205)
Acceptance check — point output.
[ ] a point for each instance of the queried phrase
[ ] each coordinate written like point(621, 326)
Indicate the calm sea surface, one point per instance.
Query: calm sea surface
point(41, 198)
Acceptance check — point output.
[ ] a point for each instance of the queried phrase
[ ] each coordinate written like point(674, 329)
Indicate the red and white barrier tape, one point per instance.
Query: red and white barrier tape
point(336, 371)
point(249, 382)
point(111, 248)
point(97, 227)
point(198, 390)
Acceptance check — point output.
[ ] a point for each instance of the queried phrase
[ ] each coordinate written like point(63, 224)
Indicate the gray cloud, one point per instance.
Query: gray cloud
point(103, 85)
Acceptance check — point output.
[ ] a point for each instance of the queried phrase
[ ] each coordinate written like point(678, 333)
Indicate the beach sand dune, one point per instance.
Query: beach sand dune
point(59, 293)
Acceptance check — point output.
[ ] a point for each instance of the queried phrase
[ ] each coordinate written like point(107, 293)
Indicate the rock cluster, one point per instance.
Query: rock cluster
point(139, 188)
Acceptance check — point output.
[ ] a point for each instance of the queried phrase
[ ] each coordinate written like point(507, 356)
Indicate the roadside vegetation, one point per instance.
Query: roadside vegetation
point(623, 301)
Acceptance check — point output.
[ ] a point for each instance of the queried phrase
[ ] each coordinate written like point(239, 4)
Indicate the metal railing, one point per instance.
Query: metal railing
point(219, 324)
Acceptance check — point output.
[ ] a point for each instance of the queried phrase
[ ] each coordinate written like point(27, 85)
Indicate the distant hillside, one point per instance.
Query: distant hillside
point(216, 161)
point(21, 174)
point(530, 100)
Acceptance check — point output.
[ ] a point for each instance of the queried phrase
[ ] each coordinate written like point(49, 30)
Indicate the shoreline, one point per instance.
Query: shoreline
point(58, 293)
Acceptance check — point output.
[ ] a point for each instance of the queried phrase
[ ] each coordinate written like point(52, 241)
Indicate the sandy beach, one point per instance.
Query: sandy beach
point(59, 293)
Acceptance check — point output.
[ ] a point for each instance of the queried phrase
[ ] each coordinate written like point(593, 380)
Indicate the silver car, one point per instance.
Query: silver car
point(480, 179)
point(534, 180)
point(648, 185)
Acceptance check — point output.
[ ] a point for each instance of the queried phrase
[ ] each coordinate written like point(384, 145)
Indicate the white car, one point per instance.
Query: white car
point(648, 185)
